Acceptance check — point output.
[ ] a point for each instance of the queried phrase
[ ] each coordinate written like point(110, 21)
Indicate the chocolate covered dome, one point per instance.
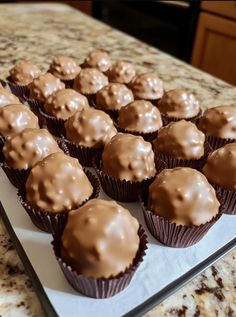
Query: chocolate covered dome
point(64, 103)
point(100, 239)
point(114, 96)
point(24, 72)
point(140, 116)
point(121, 72)
point(219, 122)
point(23, 150)
point(7, 98)
point(98, 59)
point(64, 67)
point(128, 157)
point(179, 103)
point(57, 183)
point(90, 127)
point(15, 118)
point(220, 167)
point(183, 196)
point(147, 86)
point(181, 140)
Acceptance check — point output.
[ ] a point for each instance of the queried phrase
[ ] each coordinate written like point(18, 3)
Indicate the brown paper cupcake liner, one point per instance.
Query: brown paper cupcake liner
point(18, 90)
point(2, 142)
point(172, 162)
point(146, 136)
point(48, 221)
point(112, 113)
point(82, 153)
point(166, 119)
point(101, 287)
point(121, 189)
point(228, 199)
point(216, 142)
point(171, 234)
point(34, 105)
point(54, 125)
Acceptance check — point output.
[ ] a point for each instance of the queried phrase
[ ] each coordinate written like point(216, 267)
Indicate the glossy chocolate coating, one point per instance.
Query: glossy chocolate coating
point(140, 116)
point(147, 86)
point(114, 96)
point(98, 59)
point(15, 118)
point(219, 122)
point(57, 183)
point(90, 127)
point(44, 86)
point(179, 103)
point(24, 72)
point(183, 196)
point(100, 239)
point(121, 72)
point(220, 167)
point(181, 140)
point(89, 81)
point(128, 157)
point(7, 98)
point(23, 150)
point(64, 67)
point(64, 103)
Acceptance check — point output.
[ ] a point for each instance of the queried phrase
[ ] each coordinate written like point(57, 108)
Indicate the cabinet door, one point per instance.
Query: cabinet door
point(215, 47)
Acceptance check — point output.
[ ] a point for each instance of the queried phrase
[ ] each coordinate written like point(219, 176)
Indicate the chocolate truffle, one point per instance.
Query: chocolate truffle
point(44, 86)
point(121, 72)
point(219, 122)
point(140, 116)
point(64, 68)
point(89, 81)
point(15, 118)
point(181, 140)
point(147, 86)
point(24, 72)
point(114, 97)
point(179, 103)
point(64, 103)
point(90, 127)
point(57, 183)
point(100, 239)
point(7, 98)
point(220, 168)
point(128, 157)
point(23, 150)
point(98, 59)
point(183, 196)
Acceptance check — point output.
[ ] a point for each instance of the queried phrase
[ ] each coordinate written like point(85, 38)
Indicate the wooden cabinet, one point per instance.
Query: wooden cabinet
point(214, 48)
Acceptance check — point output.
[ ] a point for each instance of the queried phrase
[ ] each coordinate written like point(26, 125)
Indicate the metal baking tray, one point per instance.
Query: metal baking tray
point(162, 273)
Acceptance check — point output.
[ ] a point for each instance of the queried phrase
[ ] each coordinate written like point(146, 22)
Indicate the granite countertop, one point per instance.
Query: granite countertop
point(40, 31)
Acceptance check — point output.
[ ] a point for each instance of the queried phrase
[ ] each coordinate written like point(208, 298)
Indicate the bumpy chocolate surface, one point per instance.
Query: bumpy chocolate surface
point(140, 116)
point(64, 103)
point(64, 67)
point(24, 72)
point(23, 150)
point(7, 98)
point(181, 140)
point(98, 59)
point(15, 118)
point(147, 86)
point(183, 196)
point(100, 239)
point(114, 96)
point(121, 72)
point(179, 103)
point(220, 167)
point(128, 157)
point(90, 127)
point(219, 122)
point(44, 86)
point(57, 183)
point(89, 81)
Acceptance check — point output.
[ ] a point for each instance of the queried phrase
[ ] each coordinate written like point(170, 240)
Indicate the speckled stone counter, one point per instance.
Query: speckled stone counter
point(38, 32)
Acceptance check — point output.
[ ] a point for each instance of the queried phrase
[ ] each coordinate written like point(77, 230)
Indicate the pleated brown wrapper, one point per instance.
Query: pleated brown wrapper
point(100, 287)
point(54, 125)
point(172, 162)
point(18, 90)
point(171, 234)
point(18, 177)
point(51, 222)
point(121, 189)
point(216, 142)
point(166, 119)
